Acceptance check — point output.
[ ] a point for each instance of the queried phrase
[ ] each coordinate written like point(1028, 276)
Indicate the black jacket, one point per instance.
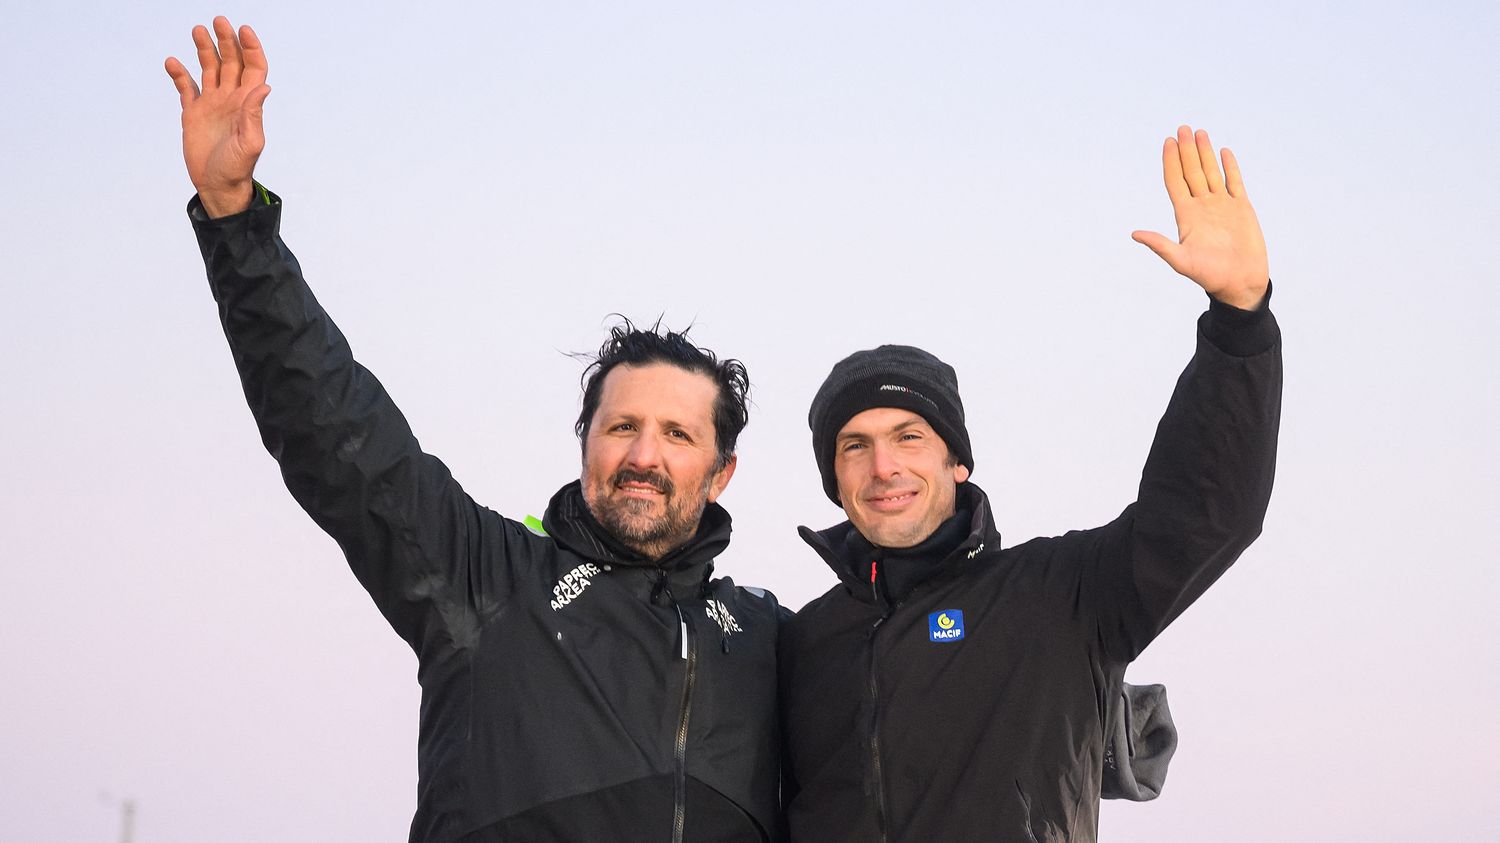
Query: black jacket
point(571, 690)
point(972, 704)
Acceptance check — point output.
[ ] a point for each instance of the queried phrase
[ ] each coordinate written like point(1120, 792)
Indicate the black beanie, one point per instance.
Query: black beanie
point(889, 376)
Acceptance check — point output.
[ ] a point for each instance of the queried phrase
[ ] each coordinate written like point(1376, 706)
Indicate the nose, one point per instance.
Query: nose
point(883, 464)
point(644, 453)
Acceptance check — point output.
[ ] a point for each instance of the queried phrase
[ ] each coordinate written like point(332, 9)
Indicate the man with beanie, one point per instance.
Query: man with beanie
point(951, 689)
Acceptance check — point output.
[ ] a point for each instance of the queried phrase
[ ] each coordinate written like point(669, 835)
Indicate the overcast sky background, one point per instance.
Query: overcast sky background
point(473, 188)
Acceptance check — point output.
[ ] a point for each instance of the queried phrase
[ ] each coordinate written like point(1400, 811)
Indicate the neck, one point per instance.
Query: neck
point(897, 570)
point(655, 551)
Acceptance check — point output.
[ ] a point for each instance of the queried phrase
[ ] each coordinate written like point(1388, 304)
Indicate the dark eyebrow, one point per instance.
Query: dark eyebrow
point(909, 423)
point(673, 424)
point(668, 423)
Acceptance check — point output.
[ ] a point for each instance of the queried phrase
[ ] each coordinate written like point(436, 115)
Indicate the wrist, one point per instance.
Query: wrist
point(227, 201)
point(1239, 331)
point(1245, 298)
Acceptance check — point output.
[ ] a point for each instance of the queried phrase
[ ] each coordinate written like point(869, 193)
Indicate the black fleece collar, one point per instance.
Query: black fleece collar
point(848, 553)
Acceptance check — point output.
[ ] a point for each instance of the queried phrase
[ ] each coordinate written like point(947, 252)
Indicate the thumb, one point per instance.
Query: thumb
point(257, 97)
point(1165, 248)
point(252, 127)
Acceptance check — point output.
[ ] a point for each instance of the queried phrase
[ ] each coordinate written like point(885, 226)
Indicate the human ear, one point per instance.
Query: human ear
point(721, 479)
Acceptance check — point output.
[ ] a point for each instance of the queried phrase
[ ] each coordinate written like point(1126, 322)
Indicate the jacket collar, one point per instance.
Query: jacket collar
point(840, 545)
point(569, 522)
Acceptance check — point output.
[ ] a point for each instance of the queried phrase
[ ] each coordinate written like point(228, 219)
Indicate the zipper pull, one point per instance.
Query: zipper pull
point(682, 629)
point(874, 589)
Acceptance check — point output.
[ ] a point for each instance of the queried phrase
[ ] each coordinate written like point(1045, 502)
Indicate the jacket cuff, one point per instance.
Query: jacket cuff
point(260, 201)
point(1240, 333)
point(229, 243)
point(258, 222)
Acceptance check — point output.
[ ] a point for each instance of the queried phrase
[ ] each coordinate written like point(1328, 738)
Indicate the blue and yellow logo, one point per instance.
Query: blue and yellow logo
point(947, 625)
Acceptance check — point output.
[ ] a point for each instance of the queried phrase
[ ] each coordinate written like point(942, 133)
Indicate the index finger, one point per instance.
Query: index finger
point(1171, 172)
point(255, 57)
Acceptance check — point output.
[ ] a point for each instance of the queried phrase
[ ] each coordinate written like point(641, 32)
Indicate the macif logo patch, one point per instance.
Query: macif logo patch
point(947, 625)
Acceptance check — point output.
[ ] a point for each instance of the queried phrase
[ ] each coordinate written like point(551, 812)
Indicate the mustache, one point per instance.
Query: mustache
point(660, 482)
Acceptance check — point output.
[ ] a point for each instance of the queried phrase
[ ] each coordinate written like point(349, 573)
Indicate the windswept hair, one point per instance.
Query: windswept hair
point(635, 346)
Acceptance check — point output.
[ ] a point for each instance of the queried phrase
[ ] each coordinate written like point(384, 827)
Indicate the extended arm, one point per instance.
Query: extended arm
point(346, 453)
point(411, 534)
point(1207, 481)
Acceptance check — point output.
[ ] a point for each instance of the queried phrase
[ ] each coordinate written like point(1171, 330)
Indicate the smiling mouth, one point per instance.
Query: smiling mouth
point(891, 501)
point(641, 484)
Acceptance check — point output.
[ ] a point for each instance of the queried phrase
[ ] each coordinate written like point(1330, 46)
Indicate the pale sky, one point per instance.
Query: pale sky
point(473, 188)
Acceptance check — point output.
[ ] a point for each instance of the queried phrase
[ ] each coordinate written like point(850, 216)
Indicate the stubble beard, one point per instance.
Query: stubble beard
point(635, 523)
point(914, 530)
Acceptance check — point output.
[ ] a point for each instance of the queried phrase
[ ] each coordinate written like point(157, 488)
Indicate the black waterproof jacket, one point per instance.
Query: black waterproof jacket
point(974, 706)
point(570, 689)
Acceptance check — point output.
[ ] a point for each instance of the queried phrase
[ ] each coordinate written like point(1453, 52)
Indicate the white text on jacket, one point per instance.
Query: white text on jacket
point(572, 584)
point(719, 614)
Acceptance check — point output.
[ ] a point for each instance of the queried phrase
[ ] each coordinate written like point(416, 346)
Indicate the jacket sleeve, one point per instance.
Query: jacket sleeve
point(347, 455)
point(1205, 486)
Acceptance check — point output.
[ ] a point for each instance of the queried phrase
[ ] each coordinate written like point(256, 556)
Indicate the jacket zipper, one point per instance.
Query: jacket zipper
point(689, 654)
point(881, 811)
point(880, 808)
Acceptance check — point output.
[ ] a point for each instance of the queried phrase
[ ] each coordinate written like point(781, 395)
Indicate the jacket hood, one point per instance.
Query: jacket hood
point(569, 522)
point(836, 544)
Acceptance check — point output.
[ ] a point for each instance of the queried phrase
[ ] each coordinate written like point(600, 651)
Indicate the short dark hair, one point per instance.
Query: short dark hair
point(635, 346)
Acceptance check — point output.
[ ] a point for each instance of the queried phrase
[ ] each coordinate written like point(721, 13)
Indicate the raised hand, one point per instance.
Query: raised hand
point(1219, 244)
point(222, 132)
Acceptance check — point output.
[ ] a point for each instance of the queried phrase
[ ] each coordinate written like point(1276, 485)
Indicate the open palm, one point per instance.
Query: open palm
point(222, 129)
point(1219, 243)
